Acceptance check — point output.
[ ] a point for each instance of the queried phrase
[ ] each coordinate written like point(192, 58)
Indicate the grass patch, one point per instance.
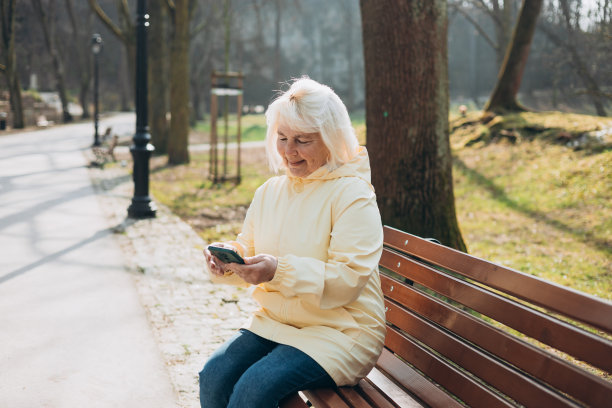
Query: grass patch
point(215, 211)
point(253, 128)
point(538, 204)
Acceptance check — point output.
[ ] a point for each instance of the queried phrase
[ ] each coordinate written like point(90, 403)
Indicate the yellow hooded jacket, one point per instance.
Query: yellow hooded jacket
point(325, 298)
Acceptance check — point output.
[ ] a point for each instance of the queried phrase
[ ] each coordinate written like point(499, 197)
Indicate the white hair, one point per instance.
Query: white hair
point(310, 107)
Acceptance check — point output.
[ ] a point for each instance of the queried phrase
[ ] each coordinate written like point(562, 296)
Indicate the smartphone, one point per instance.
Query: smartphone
point(225, 255)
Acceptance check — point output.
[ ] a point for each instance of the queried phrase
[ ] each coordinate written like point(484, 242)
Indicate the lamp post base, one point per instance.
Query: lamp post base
point(142, 207)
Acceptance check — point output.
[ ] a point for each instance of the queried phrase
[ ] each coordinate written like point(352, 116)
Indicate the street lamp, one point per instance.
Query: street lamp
point(96, 47)
point(141, 149)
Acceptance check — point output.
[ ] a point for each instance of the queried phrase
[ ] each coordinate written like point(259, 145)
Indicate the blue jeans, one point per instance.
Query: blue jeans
point(250, 371)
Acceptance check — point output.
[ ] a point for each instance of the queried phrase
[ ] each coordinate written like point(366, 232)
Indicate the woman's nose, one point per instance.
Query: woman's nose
point(290, 148)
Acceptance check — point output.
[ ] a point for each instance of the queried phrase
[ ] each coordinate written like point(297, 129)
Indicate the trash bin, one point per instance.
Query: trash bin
point(3, 116)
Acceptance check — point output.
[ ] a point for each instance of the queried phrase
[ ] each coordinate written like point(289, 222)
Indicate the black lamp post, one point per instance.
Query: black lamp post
point(96, 47)
point(141, 149)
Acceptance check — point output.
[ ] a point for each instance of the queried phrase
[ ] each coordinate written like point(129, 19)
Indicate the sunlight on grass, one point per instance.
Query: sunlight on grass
point(215, 211)
point(535, 205)
point(539, 207)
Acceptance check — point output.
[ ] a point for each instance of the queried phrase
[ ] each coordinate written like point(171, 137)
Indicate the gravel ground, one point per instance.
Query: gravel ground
point(189, 316)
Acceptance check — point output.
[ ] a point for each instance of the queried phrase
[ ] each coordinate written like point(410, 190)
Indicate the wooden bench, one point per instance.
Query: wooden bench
point(462, 331)
point(105, 153)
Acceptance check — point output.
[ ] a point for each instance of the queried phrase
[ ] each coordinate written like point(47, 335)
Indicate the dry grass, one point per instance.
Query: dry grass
point(538, 204)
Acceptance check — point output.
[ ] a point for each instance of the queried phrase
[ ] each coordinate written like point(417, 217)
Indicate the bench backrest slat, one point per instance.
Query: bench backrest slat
point(531, 322)
point(584, 386)
point(499, 375)
point(484, 332)
point(410, 378)
point(569, 302)
point(453, 379)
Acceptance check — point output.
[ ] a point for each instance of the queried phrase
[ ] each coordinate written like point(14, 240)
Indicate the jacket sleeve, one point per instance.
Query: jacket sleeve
point(353, 255)
point(244, 246)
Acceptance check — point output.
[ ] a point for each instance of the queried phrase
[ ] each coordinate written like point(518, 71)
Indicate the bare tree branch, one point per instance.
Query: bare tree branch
point(477, 26)
point(106, 20)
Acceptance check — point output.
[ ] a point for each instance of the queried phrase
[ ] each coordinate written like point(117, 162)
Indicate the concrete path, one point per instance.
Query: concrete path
point(72, 330)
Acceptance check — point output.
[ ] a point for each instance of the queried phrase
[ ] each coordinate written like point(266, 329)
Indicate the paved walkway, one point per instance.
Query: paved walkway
point(95, 309)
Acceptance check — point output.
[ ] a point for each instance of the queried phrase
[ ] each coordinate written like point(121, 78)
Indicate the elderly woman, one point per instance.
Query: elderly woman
point(311, 242)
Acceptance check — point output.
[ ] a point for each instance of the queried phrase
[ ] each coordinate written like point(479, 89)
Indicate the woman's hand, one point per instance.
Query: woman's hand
point(256, 269)
point(216, 266)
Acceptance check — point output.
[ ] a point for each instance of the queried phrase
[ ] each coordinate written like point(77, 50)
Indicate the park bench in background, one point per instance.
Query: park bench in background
point(465, 331)
point(105, 153)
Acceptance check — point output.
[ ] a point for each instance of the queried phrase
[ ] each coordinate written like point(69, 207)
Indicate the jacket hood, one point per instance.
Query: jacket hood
point(358, 166)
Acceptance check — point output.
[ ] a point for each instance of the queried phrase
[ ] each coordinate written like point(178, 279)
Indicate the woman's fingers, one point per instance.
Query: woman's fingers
point(257, 269)
point(214, 264)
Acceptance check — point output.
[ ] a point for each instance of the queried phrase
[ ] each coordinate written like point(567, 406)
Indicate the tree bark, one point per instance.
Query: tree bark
point(503, 98)
point(407, 102)
point(158, 76)
point(178, 142)
point(46, 23)
point(7, 19)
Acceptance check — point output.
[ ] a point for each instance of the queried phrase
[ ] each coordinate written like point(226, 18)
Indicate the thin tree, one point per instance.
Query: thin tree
point(503, 98)
point(9, 60)
point(159, 96)
point(407, 103)
point(178, 143)
point(571, 46)
point(46, 18)
point(83, 55)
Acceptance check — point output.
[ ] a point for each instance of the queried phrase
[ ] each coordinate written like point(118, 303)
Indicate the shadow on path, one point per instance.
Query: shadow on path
point(52, 257)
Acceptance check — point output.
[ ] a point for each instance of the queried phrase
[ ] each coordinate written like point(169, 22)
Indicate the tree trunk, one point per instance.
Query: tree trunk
point(350, 75)
point(277, 42)
point(581, 68)
point(7, 19)
point(46, 23)
point(407, 98)
point(510, 75)
point(178, 142)
point(15, 98)
point(83, 57)
point(158, 76)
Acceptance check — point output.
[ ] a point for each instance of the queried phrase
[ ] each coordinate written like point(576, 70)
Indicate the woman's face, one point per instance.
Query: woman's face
point(302, 153)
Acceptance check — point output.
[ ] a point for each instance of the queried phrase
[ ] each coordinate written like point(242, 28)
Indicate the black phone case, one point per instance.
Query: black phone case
point(226, 255)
